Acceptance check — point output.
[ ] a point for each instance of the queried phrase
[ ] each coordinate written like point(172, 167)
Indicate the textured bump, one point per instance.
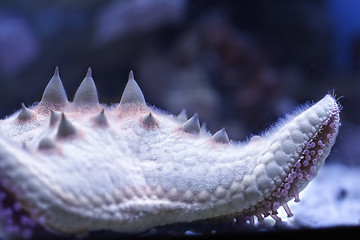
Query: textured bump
point(255, 139)
point(289, 146)
point(252, 194)
point(273, 170)
point(281, 158)
point(297, 136)
point(220, 192)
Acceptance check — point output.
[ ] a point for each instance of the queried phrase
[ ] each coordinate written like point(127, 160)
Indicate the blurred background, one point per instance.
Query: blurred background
point(238, 64)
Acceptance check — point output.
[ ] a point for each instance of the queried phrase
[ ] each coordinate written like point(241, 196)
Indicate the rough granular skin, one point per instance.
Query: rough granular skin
point(74, 167)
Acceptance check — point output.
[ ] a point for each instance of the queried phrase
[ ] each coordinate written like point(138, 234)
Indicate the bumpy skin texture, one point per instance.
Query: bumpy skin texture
point(80, 166)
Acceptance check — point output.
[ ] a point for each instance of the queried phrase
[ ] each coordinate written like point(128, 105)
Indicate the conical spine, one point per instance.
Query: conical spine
point(66, 128)
point(192, 125)
point(100, 119)
point(54, 96)
point(86, 96)
point(54, 117)
point(150, 121)
point(132, 93)
point(221, 137)
point(25, 114)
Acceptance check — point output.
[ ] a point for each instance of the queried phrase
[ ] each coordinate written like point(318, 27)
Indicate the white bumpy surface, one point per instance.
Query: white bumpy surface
point(81, 166)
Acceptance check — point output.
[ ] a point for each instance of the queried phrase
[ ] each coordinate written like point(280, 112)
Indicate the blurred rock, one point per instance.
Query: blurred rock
point(215, 70)
point(320, 205)
point(18, 44)
point(120, 18)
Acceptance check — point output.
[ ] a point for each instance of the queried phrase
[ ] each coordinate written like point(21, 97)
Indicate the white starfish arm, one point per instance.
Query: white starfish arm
point(132, 167)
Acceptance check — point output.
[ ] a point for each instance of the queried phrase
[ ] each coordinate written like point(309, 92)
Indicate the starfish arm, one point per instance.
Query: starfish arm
point(133, 167)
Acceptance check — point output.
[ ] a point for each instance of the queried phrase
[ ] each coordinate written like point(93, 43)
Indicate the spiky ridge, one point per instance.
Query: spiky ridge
point(170, 169)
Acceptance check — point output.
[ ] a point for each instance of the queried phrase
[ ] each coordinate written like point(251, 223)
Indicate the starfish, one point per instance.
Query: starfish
point(80, 166)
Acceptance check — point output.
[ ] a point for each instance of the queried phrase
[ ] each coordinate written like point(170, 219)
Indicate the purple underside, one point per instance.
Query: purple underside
point(14, 219)
point(303, 171)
